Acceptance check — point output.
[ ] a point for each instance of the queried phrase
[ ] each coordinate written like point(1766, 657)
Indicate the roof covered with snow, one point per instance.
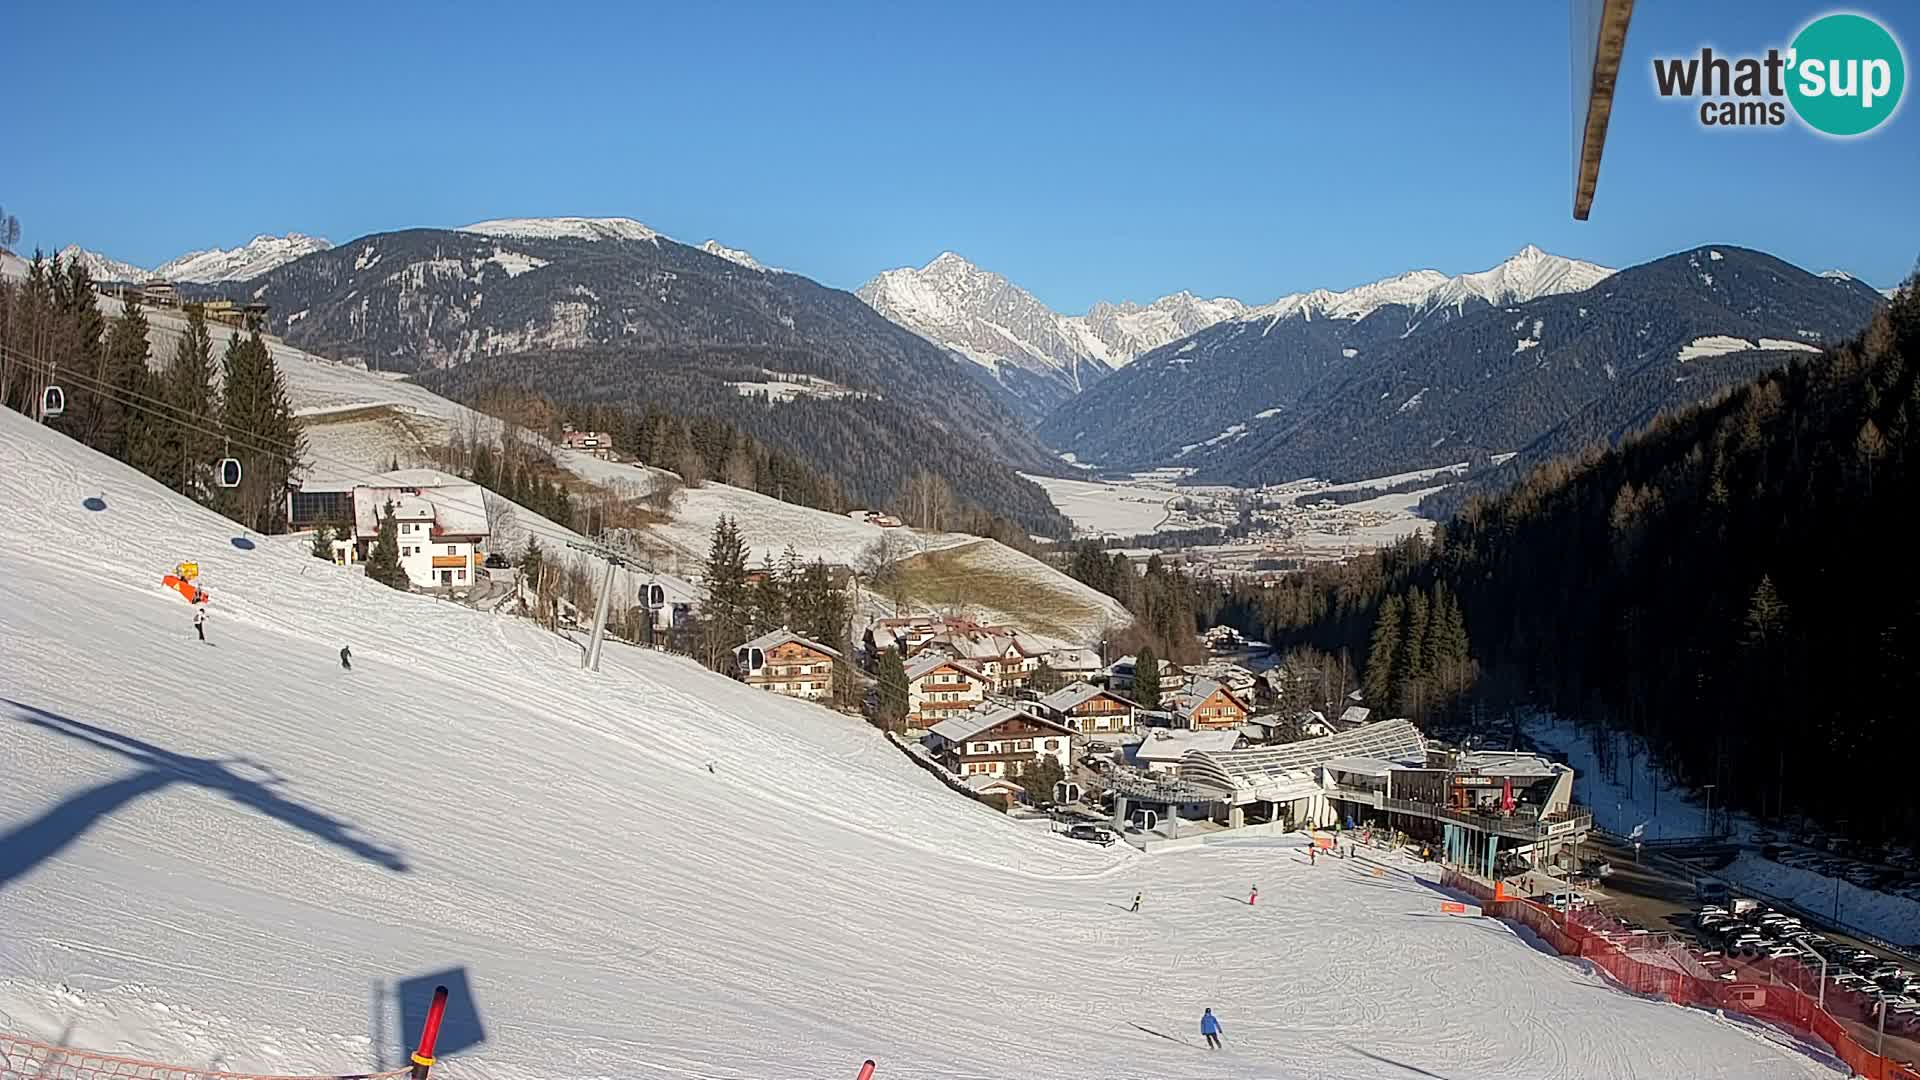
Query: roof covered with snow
point(1170, 745)
point(777, 638)
point(1079, 693)
point(974, 722)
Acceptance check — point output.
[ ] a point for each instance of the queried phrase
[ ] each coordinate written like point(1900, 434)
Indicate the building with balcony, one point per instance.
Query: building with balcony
point(785, 663)
point(1479, 806)
point(999, 740)
point(441, 525)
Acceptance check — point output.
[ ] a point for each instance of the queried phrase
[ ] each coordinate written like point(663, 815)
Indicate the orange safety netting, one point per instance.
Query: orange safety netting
point(24, 1059)
point(1782, 992)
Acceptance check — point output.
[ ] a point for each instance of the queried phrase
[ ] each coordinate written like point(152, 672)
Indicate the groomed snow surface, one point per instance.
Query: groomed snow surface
point(217, 855)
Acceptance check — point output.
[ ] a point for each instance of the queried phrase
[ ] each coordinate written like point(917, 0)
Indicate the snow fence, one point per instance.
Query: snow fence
point(24, 1059)
point(1784, 993)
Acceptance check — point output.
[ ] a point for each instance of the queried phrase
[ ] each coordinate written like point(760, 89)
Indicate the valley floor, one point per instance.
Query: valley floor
point(226, 854)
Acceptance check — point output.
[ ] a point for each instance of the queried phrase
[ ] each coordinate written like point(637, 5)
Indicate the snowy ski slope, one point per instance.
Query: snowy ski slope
point(214, 853)
point(359, 420)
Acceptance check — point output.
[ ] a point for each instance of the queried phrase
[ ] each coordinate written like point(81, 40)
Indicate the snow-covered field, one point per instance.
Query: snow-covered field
point(222, 854)
point(1109, 509)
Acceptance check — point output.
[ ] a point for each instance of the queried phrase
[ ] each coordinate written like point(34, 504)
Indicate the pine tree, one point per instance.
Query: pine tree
point(1413, 651)
point(383, 562)
point(826, 611)
point(1045, 679)
point(127, 371)
point(187, 442)
point(1766, 614)
point(767, 601)
point(1383, 654)
point(92, 416)
point(728, 611)
point(263, 435)
point(323, 542)
point(1146, 679)
point(1039, 776)
point(891, 699)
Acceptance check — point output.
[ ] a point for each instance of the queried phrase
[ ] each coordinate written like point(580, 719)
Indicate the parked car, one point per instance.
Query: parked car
point(1093, 834)
point(496, 561)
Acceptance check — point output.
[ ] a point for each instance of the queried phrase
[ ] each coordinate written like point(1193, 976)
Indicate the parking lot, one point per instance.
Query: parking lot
point(1660, 901)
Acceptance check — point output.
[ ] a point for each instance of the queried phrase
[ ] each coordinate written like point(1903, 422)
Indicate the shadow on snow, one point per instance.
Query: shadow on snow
point(26, 845)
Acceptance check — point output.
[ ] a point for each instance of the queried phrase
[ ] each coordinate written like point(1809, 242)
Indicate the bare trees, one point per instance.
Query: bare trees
point(880, 564)
point(926, 502)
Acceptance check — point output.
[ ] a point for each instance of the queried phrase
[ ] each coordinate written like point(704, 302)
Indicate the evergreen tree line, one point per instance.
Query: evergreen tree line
point(791, 593)
point(1169, 607)
point(867, 446)
point(174, 422)
point(1419, 659)
point(1729, 593)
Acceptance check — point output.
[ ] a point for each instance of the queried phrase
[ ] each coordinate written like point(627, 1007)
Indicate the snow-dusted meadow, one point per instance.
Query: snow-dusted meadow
point(220, 854)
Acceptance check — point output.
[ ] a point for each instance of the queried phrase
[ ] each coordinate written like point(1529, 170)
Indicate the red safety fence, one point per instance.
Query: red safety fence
point(24, 1059)
point(1782, 992)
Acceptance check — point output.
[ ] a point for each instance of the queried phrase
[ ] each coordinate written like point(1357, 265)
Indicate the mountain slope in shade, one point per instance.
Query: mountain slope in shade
point(598, 310)
point(251, 259)
point(102, 267)
point(1215, 383)
point(1550, 375)
point(1034, 355)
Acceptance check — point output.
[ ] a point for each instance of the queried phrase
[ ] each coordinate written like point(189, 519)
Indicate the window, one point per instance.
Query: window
point(450, 550)
point(1048, 745)
point(1023, 744)
point(460, 575)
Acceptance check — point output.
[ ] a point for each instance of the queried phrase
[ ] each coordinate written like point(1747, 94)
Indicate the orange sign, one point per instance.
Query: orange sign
point(1323, 842)
point(1449, 907)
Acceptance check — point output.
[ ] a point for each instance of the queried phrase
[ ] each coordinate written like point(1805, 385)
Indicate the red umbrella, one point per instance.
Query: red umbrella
point(1506, 795)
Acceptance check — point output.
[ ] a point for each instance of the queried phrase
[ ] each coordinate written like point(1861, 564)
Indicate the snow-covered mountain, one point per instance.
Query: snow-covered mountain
point(1424, 369)
point(1117, 333)
point(249, 260)
point(565, 228)
point(1528, 275)
point(737, 255)
point(103, 267)
point(1036, 355)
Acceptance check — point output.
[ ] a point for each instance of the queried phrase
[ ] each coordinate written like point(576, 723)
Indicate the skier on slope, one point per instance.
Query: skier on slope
point(1313, 851)
point(1136, 902)
point(1253, 898)
point(200, 622)
point(1210, 1027)
point(346, 658)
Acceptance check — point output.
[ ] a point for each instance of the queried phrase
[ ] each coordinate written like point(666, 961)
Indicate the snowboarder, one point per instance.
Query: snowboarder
point(1210, 1027)
point(1136, 902)
point(346, 658)
point(200, 622)
point(1252, 899)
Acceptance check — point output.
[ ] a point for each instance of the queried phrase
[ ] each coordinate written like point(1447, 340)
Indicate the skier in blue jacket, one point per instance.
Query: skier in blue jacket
point(1210, 1027)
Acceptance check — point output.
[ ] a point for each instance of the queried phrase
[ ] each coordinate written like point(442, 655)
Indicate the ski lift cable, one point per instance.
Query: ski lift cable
point(171, 413)
point(264, 444)
point(147, 405)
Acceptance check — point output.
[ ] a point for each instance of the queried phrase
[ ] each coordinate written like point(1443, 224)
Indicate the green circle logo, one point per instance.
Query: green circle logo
point(1847, 74)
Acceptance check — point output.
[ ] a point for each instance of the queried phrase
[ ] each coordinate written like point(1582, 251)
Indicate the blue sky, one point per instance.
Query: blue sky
point(1119, 150)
